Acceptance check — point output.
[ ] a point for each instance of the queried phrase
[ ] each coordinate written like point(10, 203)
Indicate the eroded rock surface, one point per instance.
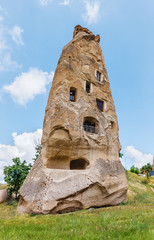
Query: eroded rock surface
point(3, 195)
point(79, 165)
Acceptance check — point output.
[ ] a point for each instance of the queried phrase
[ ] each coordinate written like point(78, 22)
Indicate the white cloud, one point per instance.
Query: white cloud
point(65, 2)
point(137, 157)
point(24, 147)
point(45, 2)
point(2, 36)
point(2, 45)
point(29, 84)
point(6, 63)
point(15, 33)
point(92, 12)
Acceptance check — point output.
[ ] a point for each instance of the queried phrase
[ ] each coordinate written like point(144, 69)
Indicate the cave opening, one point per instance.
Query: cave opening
point(78, 164)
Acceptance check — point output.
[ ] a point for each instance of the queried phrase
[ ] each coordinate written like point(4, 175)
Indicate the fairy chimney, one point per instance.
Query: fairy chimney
point(79, 165)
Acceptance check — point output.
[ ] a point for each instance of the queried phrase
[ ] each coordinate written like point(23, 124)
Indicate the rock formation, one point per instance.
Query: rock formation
point(3, 195)
point(79, 165)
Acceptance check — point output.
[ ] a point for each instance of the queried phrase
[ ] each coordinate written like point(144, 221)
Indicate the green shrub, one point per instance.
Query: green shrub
point(145, 180)
point(137, 170)
point(146, 169)
point(134, 169)
point(15, 175)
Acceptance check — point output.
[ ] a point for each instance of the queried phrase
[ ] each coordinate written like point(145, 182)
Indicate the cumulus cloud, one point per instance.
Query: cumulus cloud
point(23, 147)
point(137, 157)
point(29, 84)
point(92, 12)
point(65, 2)
point(15, 33)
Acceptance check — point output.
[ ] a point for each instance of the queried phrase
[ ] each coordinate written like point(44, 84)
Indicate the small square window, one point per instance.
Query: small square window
point(100, 105)
point(98, 76)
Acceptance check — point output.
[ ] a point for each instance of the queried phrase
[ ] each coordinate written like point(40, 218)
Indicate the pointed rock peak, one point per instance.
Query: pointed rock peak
point(79, 29)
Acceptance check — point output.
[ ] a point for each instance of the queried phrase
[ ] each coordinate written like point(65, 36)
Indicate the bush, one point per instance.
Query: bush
point(134, 169)
point(137, 170)
point(15, 175)
point(146, 169)
point(145, 180)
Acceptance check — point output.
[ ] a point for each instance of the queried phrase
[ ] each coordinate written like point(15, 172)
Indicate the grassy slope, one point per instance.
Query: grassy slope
point(133, 221)
point(2, 186)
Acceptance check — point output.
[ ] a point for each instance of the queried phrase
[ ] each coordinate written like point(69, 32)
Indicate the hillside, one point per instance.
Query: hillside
point(2, 186)
point(133, 220)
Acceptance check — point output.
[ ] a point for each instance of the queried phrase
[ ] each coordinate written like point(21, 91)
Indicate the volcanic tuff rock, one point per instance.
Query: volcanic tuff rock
point(79, 165)
point(3, 195)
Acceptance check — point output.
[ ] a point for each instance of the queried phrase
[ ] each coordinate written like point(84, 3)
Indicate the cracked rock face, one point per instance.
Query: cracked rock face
point(79, 165)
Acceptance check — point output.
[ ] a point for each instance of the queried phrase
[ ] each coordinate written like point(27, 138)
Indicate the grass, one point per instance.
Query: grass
point(2, 186)
point(152, 182)
point(133, 220)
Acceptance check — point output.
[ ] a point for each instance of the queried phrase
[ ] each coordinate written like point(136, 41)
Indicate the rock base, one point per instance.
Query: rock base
point(59, 191)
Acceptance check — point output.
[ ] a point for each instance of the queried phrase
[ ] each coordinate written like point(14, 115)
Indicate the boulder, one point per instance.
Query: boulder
point(3, 195)
point(79, 165)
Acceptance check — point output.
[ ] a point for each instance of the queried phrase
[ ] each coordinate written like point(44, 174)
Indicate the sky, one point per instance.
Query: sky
point(32, 35)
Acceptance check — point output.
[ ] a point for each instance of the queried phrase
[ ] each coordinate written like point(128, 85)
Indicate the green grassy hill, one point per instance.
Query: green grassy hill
point(2, 186)
point(133, 220)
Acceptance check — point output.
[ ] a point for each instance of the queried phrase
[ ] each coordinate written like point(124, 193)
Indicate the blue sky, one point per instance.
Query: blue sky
point(32, 35)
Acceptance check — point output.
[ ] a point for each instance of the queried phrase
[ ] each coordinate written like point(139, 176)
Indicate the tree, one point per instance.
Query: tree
point(146, 169)
point(120, 154)
point(134, 169)
point(15, 175)
point(137, 171)
point(38, 149)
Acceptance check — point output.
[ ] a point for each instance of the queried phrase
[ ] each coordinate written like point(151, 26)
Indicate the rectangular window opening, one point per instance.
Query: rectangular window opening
point(113, 126)
point(88, 87)
point(72, 95)
point(100, 105)
point(98, 76)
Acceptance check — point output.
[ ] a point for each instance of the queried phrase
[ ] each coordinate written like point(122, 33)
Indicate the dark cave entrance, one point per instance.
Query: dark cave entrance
point(78, 164)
